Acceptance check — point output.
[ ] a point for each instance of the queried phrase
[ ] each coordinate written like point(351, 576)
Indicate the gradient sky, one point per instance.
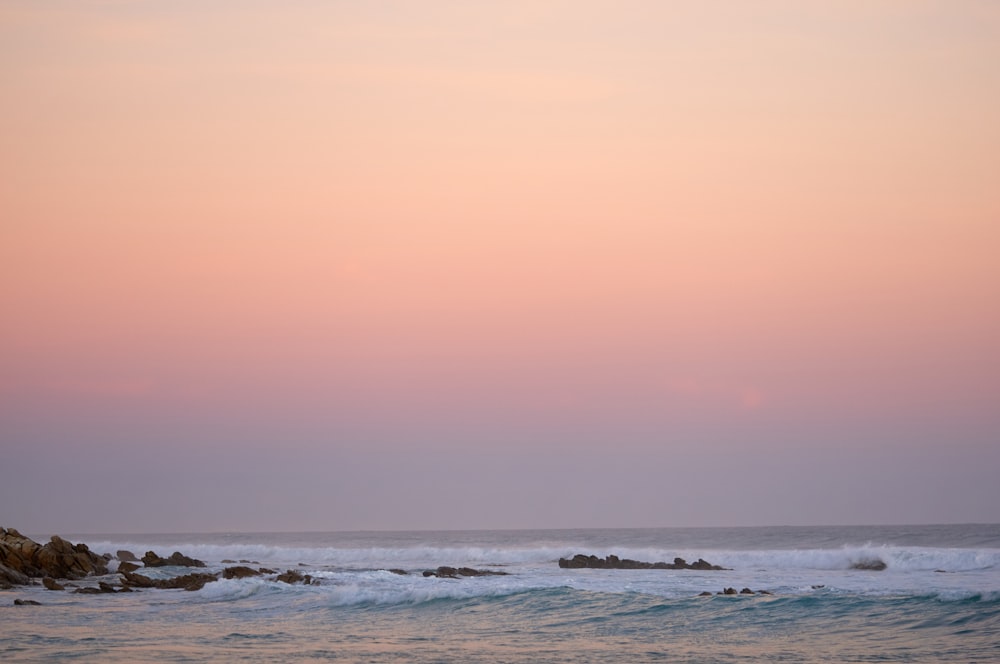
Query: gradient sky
point(403, 265)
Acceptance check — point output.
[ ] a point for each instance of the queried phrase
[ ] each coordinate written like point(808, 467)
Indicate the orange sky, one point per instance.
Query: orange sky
point(523, 225)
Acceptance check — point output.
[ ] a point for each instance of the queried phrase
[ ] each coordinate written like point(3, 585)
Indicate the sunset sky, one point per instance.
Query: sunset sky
point(530, 264)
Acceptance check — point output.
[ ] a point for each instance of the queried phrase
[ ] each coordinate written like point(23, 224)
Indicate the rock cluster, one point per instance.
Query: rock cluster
point(614, 562)
point(194, 581)
point(150, 559)
point(21, 559)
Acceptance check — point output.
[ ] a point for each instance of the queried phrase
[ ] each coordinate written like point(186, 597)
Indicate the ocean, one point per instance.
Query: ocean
point(937, 600)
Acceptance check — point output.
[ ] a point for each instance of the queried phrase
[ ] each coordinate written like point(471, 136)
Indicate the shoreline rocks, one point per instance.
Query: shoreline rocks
point(21, 557)
point(581, 561)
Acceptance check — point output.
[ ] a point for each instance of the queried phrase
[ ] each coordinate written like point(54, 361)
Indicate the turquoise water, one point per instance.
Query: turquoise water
point(937, 600)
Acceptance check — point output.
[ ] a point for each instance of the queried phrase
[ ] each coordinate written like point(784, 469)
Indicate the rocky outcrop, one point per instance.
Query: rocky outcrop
point(126, 556)
point(58, 558)
point(239, 572)
point(445, 572)
point(614, 562)
point(178, 559)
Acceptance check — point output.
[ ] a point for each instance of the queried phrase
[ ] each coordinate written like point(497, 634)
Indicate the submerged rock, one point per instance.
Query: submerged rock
point(293, 576)
point(239, 572)
point(26, 602)
point(732, 591)
point(446, 572)
point(870, 565)
point(614, 562)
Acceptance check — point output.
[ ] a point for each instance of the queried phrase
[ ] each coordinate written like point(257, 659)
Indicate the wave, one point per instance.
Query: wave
point(427, 554)
point(383, 589)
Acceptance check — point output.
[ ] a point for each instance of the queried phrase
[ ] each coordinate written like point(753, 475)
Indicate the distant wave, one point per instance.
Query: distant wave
point(896, 557)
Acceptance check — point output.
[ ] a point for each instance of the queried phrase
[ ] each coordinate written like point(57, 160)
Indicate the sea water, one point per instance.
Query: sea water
point(938, 599)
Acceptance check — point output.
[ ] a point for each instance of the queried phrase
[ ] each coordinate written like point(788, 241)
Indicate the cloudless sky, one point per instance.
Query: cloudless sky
point(402, 265)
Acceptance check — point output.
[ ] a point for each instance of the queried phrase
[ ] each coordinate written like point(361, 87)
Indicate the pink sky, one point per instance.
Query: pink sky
point(272, 266)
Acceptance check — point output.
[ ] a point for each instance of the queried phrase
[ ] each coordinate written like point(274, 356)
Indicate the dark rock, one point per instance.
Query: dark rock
point(294, 576)
point(138, 580)
point(729, 591)
point(870, 565)
point(106, 587)
point(88, 591)
point(126, 556)
point(50, 584)
point(614, 562)
point(764, 592)
point(178, 559)
point(445, 572)
point(58, 558)
point(195, 581)
point(746, 591)
point(127, 567)
point(11, 577)
point(239, 572)
point(401, 572)
point(26, 602)
point(704, 594)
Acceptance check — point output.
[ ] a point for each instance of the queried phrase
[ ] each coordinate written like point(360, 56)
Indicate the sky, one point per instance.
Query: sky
point(308, 265)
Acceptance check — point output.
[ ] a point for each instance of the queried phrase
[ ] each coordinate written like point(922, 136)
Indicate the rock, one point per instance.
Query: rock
point(704, 594)
point(239, 572)
point(228, 561)
point(106, 587)
point(11, 577)
point(746, 591)
point(126, 556)
point(445, 572)
point(702, 565)
point(127, 567)
point(294, 576)
point(195, 581)
point(728, 591)
point(26, 602)
point(87, 591)
point(138, 580)
point(614, 562)
point(178, 559)
point(58, 558)
point(401, 572)
point(870, 565)
point(50, 584)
